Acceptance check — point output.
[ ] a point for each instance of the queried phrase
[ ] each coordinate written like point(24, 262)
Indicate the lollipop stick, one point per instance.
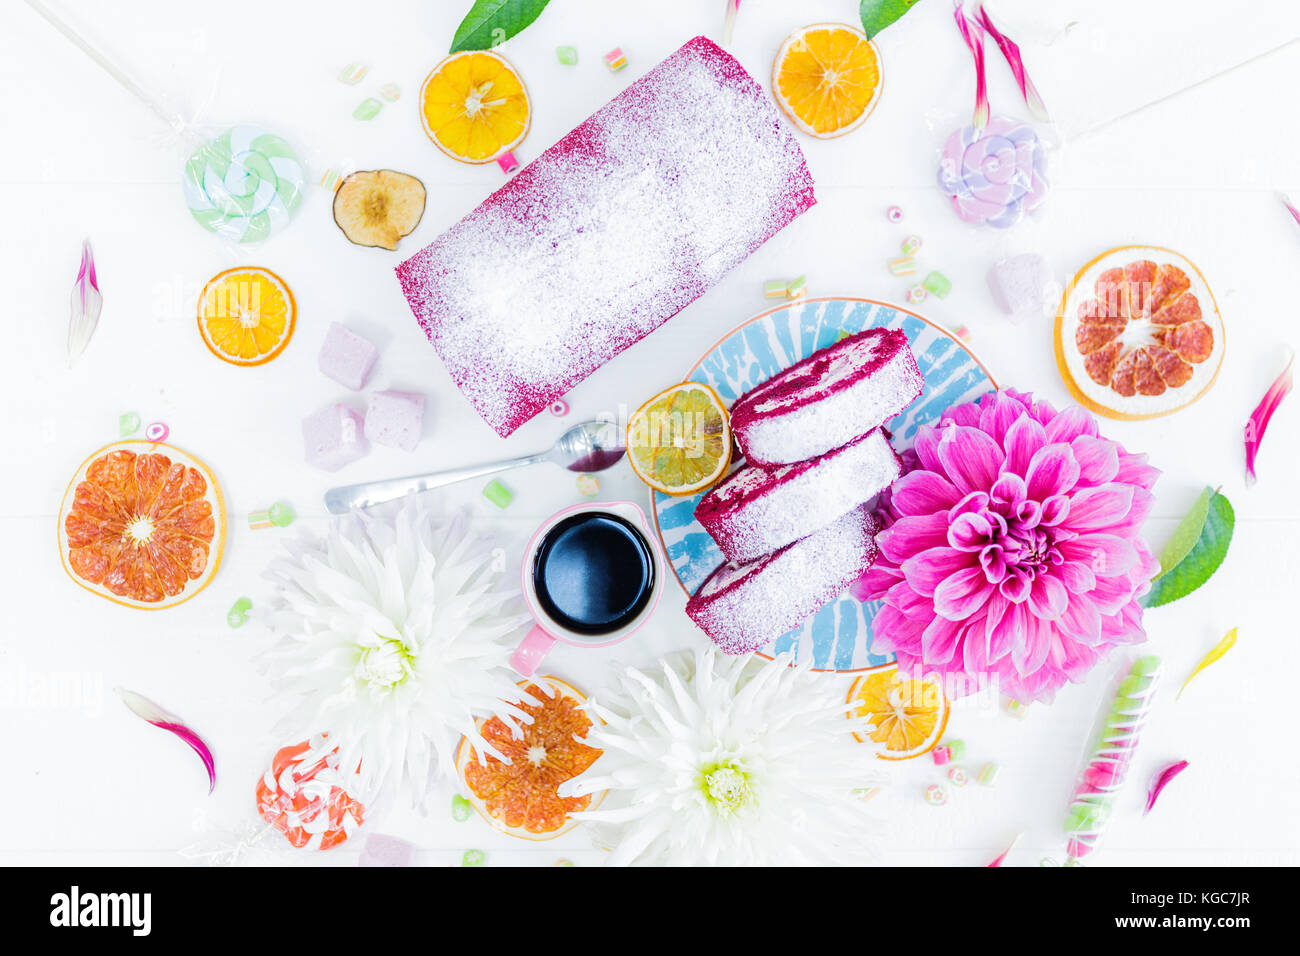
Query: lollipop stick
point(108, 66)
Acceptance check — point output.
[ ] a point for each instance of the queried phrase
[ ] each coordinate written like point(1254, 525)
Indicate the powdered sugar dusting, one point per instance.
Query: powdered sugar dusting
point(757, 510)
point(834, 396)
point(743, 607)
point(607, 234)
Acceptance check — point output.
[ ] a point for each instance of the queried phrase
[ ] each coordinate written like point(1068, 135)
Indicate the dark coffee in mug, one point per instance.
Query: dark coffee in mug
point(593, 573)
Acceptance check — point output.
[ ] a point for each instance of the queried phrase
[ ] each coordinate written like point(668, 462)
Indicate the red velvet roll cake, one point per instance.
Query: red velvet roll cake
point(835, 395)
point(743, 607)
point(756, 510)
point(608, 234)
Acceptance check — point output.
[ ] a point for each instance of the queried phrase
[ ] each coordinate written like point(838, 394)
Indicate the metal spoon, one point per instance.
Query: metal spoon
point(591, 446)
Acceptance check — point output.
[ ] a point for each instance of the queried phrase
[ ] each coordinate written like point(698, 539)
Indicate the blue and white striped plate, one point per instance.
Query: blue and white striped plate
point(838, 637)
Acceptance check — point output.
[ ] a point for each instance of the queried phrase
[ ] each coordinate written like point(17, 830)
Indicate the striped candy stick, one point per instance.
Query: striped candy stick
point(1107, 768)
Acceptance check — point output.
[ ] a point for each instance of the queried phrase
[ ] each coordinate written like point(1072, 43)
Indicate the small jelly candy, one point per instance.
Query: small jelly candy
point(460, 808)
point(508, 163)
point(796, 288)
point(367, 109)
point(559, 408)
point(935, 795)
point(157, 431)
point(498, 494)
point(894, 213)
point(1014, 707)
point(331, 179)
point(936, 283)
point(916, 294)
point(588, 485)
point(904, 266)
point(941, 756)
point(391, 92)
point(956, 749)
point(961, 332)
point(958, 777)
point(563, 862)
point(281, 514)
point(988, 774)
point(128, 423)
point(238, 613)
point(911, 244)
point(353, 73)
point(567, 55)
point(775, 289)
point(473, 858)
point(615, 60)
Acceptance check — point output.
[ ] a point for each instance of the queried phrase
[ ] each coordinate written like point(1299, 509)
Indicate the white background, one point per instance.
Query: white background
point(84, 781)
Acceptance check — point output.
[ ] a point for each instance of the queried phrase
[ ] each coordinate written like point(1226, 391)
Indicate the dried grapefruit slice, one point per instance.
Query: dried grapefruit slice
point(826, 78)
point(521, 798)
point(475, 106)
point(909, 715)
point(302, 795)
point(1138, 334)
point(246, 315)
point(142, 524)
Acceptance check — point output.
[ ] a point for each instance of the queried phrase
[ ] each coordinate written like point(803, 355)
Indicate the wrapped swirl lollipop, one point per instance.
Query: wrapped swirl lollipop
point(1108, 765)
point(994, 170)
point(243, 184)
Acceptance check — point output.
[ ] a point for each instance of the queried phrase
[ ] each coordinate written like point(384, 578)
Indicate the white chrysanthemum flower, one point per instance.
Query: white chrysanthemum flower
point(728, 760)
point(394, 638)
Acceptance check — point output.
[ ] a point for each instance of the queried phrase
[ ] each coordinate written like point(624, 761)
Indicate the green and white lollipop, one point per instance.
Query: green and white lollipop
point(244, 184)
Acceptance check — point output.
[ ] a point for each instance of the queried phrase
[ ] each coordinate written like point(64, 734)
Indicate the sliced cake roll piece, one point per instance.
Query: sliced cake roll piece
point(742, 607)
point(756, 510)
point(835, 395)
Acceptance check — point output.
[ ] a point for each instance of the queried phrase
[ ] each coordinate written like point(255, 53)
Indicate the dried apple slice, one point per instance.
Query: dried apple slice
point(1138, 334)
point(379, 207)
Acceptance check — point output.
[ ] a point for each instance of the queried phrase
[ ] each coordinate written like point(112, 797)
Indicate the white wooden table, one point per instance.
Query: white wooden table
point(84, 781)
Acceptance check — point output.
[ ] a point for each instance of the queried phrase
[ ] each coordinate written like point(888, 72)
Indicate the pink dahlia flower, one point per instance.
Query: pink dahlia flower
point(1012, 550)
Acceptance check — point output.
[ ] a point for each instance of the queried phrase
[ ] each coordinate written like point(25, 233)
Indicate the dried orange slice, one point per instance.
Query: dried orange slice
point(1138, 334)
point(142, 524)
point(826, 78)
point(908, 716)
point(679, 442)
point(521, 798)
point(246, 315)
point(475, 106)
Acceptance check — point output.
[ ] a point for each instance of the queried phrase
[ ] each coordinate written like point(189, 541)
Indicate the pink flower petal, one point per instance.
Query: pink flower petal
point(927, 570)
point(970, 458)
point(1048, 597)
point(962, 594)
point(1098, 459)
point(908, 537)
point(1081, 621)
point(1070, 424)
point(940, 640)
point(1077, 577)
point(923, 493)
point(1008, 489)
point(1107, 555)
point(1161, 780)
point(1259, 418)
point(1029, 654)
point(1023, 439)
point(1094, 509)
point(1052, 471)
point(970, 532)
point(998, 411)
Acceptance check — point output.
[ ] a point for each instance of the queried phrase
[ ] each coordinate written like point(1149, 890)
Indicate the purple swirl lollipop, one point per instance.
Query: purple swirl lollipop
point(996, 174)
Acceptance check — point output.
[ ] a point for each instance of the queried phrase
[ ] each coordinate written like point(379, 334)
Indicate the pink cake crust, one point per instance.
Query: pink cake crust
point(608, 234)
point(832, 397)
point(756, 510)
point(743, 607)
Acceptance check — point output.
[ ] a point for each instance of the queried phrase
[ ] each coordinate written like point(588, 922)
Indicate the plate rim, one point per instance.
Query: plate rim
point(654, 510)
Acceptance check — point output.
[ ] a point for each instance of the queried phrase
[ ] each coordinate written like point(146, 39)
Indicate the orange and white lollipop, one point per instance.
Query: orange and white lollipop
point(303, 796)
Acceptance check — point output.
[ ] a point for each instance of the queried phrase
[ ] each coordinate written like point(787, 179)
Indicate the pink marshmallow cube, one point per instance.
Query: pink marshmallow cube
point(395, 419)
point(334, 437)
point(347, 357)
point(383, 850)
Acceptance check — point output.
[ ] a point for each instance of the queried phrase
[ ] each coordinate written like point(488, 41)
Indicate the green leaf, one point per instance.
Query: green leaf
point(1187, 533)
point(1202, 561)
point(490, 23)
point(878, 14)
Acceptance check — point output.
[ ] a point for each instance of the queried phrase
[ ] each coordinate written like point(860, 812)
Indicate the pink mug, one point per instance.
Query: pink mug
point(547, 627)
